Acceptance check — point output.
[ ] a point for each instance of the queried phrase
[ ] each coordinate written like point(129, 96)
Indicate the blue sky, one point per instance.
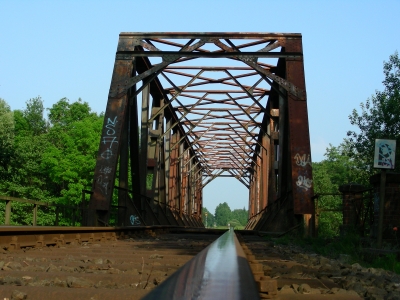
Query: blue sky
point(59, 49)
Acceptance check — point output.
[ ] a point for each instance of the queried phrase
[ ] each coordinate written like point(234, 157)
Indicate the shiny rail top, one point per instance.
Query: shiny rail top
point(220, 271)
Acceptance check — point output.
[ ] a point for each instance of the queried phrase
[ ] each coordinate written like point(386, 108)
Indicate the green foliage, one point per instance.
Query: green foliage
point(34, 115)
point(27, 179)
point(331, 247)
point(234, 223)
point(328, 175)
point(149, 181)
point(20, 123)
point(6, 136)
point(51, 161)
point(63, 114)
point(387, 262)
point(222, 214)
point(209, 219)
point(350, 244)
point(240, 215)
point(379, 117)
point(70, 160)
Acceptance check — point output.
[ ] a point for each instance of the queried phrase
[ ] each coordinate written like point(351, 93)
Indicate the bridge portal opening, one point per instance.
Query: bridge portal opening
point(187, 108)
point(229, 190)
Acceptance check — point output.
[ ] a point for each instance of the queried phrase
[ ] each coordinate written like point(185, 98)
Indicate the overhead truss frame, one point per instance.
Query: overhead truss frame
point(186, 108)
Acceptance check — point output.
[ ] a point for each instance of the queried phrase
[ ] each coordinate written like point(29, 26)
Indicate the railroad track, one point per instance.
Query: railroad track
point(138, 262)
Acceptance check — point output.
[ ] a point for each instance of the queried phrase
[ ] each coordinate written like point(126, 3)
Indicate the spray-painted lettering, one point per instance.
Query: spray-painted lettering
point(109, 139)
point(105, 170)
point(302, 160)
point(134, 220)
point(107, 154)
point(304, 182)
point(111, 126)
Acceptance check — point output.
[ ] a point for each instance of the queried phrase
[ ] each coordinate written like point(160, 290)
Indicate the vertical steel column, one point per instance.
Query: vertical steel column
point(182, 180)
point(123, 173)
point(167, 162)
point(281, 125)
point(134, 147)
point(259, 180)
point(173, 174)
point(265, 171)
point(161, 170)
point(154, 155)
point(144, 139)
point(107, 157)
point(299, 139)
point(179, 176)
point(252, 196)
point(272, 171)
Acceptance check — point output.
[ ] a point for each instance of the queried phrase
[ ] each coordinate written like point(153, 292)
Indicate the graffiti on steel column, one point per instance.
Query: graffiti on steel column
point(109, 138)
point(134, 220)
point(302, 161)
point(304, 182)
point(105, 170)
point(102, 180)
point(102, 183)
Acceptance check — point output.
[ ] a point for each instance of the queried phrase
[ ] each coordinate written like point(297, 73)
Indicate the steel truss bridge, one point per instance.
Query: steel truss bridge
point(186, 108)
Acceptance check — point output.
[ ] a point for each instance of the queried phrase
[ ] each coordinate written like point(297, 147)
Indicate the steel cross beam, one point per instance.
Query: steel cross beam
point(207, 103)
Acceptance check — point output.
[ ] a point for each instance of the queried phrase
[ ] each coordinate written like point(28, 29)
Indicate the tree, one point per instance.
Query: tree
point(50, 161)
point(210, 217)
point(21, 124)
point(63, 113)
point(241, 215)
point(6, 136)
point(379, 116)
point(222, 214)
point(70, 159)
point(338, 168)
point(34, 114)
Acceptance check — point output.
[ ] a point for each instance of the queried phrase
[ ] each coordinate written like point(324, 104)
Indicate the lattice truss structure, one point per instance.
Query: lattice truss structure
point(208, 105)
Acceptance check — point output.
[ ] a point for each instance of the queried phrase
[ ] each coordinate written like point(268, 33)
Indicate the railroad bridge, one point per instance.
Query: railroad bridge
point(186, 108)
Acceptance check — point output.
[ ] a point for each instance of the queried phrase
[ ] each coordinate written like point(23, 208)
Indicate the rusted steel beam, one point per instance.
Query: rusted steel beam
point(198, 35)
point(107, 157)
point(299, 142)
point(216, 54)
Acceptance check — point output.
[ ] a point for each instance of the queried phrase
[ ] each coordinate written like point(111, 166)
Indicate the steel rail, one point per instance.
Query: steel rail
point(16, 237)
point(220, 271)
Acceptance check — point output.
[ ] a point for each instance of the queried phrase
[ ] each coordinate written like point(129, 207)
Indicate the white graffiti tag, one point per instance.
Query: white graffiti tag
point(302, 160)
point(111, 126)
point(105, 170)
point(109, 138)
point(107, 154)
point(304, 182)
